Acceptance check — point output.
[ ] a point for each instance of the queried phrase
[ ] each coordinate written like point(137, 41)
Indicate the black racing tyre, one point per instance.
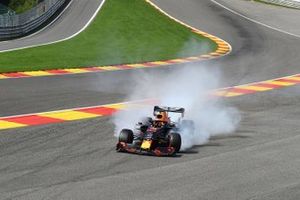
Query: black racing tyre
point(126, 135)
point(175, 141)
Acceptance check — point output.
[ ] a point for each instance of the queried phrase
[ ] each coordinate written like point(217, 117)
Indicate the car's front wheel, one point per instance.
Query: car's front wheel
point(126, 135)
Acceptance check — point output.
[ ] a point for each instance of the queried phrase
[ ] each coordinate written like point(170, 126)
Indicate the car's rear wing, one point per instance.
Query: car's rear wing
point(168, 109)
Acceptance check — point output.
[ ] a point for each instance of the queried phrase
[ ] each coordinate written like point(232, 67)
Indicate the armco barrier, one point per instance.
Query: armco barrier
point(286, 3)
point(13, 26)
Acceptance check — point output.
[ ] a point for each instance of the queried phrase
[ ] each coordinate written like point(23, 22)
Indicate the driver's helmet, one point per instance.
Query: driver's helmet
point(162, 117)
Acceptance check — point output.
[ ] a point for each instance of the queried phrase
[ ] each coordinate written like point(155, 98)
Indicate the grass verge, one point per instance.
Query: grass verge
point(20, 6)
point(124, 31)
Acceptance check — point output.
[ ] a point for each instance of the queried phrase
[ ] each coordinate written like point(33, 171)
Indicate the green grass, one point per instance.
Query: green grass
point(20, 6)
point(125, 31)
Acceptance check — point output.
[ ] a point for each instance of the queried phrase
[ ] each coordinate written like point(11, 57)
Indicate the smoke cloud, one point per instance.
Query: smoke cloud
point(189, 87)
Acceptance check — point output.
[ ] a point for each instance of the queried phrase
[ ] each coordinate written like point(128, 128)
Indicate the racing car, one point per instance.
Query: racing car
point(157, 136)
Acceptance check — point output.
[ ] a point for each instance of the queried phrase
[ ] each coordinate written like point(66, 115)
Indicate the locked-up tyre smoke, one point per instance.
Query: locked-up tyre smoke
point(187, 126)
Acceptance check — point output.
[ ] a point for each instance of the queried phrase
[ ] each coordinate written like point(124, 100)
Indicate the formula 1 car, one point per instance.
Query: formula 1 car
point(159, 136)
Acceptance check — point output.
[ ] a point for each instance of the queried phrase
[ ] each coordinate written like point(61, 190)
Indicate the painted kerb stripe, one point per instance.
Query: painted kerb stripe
point(109, 109)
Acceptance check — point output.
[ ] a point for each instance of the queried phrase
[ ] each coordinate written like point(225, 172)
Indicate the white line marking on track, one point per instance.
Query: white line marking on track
point(184, 24)
point(77, 108)
point(140, 101)
point(63, 110)
point(253, 20)
point(61, 40)
point(257, 82)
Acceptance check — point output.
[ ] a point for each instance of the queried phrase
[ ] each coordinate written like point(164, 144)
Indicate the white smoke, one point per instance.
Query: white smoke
point(189, 87)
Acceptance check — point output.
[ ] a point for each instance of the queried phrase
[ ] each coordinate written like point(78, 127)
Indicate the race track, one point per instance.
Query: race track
point(71, 21)
point(77, 160)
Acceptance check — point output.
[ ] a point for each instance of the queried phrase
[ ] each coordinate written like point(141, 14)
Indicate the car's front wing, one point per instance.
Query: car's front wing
point(159, 151)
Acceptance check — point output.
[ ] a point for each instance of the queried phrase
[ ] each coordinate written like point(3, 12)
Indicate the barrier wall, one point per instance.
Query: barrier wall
point(17, 25)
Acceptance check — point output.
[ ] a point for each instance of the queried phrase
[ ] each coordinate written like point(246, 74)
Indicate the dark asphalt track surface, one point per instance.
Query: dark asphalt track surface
point(77, 160)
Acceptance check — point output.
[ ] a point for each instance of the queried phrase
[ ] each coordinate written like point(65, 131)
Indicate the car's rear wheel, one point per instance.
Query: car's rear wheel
point(175, 141)
point(126, 135)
